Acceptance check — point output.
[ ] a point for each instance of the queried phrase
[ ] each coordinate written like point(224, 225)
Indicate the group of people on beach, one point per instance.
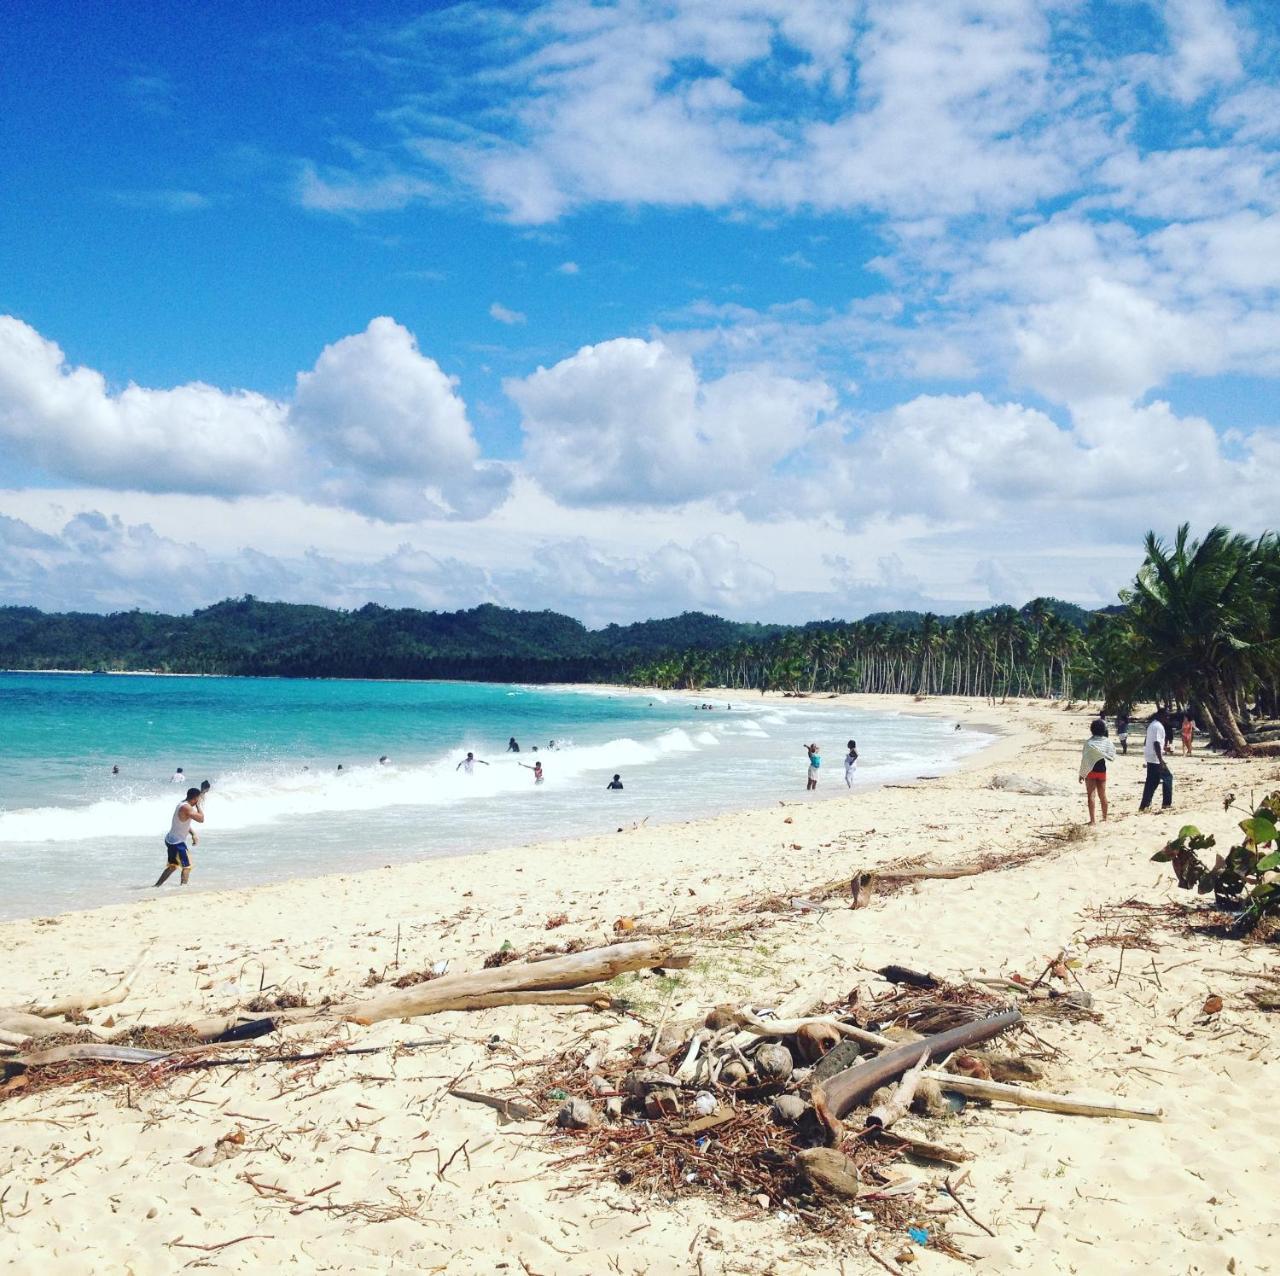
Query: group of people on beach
point(814, 755)
point(1099, 751)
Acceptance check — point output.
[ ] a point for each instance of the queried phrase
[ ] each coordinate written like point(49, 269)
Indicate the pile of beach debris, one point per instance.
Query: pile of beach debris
point(800, 1112)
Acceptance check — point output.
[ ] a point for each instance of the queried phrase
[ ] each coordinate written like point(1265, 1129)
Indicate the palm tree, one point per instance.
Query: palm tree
point(1199, 623)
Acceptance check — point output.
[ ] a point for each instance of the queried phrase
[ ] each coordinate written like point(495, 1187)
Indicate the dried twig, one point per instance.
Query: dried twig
point(951, 1192)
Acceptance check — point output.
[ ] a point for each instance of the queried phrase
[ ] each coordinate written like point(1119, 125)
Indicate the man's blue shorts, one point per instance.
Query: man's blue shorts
point(177, 852)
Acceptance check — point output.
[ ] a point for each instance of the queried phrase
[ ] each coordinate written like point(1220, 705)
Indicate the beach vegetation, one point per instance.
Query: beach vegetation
point(1246, 877)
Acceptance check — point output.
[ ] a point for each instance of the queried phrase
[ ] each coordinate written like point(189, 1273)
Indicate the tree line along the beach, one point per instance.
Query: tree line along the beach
point(249, 637)
point(1199, 628)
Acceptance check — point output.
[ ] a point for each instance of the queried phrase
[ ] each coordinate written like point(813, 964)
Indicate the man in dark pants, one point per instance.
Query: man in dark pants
point(1158, 772)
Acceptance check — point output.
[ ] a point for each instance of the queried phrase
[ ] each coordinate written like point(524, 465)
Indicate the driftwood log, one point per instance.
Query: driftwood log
point(1024, 1097)
point(560, 981)
point(473, 990)
point(837, 1096)
point(77, 1003)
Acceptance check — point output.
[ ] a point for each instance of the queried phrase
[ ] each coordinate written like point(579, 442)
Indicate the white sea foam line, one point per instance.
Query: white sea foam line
point(246, 800)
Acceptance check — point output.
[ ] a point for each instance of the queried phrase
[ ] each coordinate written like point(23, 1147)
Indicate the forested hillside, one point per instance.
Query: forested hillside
point(248, 636)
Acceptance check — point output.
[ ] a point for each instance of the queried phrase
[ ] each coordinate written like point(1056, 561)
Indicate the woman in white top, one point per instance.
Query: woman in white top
point(850, 763)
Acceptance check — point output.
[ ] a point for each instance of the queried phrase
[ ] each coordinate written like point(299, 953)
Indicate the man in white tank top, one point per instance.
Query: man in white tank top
point(179, 834)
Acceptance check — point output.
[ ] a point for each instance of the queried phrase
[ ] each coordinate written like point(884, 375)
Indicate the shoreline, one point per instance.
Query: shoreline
point(363, 1122)
point(707, 825)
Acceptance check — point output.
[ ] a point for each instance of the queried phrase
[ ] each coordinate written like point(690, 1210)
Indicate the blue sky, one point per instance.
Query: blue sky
point(776, 309)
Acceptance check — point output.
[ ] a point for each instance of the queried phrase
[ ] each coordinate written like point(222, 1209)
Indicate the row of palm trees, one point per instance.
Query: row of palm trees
point(1002, 652)
point(1199, 627)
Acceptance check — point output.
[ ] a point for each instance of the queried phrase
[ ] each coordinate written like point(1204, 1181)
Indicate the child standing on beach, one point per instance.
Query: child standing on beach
point(815, 761)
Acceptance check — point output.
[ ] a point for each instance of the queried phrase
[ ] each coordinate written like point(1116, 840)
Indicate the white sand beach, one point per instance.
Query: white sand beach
point(352, 1164)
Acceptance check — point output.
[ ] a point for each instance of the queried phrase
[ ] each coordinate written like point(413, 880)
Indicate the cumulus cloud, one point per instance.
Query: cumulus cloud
point(1109, 341)
point(393, 429)
point(376, 425)
point(68, 421)
point(631, 422)
point(1004, 472)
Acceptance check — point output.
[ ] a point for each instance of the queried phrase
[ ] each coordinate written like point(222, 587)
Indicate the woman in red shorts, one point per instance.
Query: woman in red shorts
point(1097, 752)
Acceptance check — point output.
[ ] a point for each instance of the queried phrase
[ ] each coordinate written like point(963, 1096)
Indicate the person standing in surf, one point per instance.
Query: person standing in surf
point(536, 768)
point(468, 764)
point(815, 762)
point(179, 834)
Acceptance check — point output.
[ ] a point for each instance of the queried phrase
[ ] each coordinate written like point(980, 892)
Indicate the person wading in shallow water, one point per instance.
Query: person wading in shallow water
point(815, 762)
point(179, 834)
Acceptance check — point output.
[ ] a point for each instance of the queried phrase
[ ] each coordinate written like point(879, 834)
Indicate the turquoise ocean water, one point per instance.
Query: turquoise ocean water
point(73, 835)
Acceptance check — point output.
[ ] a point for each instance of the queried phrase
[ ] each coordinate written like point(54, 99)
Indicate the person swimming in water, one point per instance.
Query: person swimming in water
point(615, 783)
point(468, 763)
point(536, 768)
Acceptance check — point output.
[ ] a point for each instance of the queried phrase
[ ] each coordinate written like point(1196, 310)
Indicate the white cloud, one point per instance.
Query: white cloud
point(1252, 114)
point(504, 315)
point(567, 268)
point(67, 420)
point(376, 426)
point(1109, 341)
point(338, 190)
point(393, 428)
point(630, 422)
point(1206, 40)
point(711, 573)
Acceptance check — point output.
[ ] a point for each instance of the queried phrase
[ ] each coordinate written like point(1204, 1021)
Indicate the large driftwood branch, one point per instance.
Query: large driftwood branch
point(837, 1096)
point(20, 1023)
point(475, 989)
point(78, 1003)
point(1025, 1097)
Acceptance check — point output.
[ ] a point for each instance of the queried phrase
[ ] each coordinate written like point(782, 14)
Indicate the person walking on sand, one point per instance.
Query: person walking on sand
point(850, 763)
point(815, 763)
point(1188, 734)
point(1097, 752)
point(1157, 760)
point(180, 833)
point(1122, 732)
point(536, 768)
point(468, 764)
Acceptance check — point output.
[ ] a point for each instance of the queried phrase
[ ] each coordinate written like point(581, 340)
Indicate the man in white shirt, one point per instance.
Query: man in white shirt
point(1158, 772)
